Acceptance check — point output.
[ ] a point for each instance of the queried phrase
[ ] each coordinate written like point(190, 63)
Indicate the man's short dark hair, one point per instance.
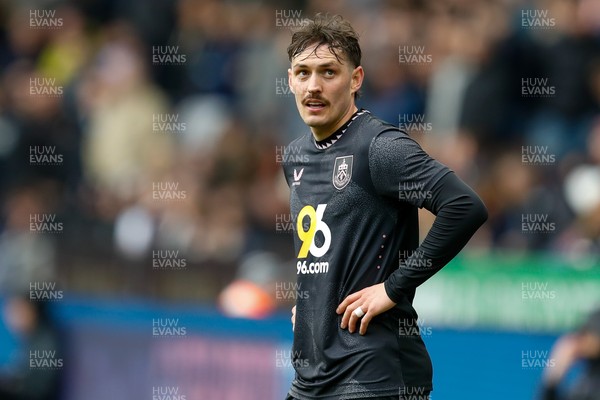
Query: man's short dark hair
point(332, 31)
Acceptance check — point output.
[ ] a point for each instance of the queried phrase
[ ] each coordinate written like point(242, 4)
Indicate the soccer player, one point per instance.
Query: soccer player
point(356, 184)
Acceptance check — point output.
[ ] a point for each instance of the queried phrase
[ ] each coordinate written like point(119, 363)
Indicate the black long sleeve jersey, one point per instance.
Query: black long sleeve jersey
point(354, 200)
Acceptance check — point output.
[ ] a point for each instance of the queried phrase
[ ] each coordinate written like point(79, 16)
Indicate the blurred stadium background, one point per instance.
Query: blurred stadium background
point(141, 190)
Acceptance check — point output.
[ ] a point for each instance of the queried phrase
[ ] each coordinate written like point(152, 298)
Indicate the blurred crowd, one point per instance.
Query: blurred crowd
point(149, 130)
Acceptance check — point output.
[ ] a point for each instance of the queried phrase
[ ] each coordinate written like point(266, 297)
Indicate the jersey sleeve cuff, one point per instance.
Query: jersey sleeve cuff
point(394, 295)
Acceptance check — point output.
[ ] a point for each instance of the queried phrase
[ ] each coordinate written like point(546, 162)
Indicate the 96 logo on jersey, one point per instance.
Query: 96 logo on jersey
point(307, 237)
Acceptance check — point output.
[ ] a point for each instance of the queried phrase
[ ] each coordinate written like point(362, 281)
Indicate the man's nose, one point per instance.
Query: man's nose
point(314, 84)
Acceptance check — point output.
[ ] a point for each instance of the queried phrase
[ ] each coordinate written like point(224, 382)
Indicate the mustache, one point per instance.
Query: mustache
point(314, 98)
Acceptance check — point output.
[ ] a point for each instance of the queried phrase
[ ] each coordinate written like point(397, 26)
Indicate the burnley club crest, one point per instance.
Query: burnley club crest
point(342, 171)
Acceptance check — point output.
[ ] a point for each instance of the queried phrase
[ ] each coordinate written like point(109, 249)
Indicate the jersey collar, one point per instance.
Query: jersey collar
point(335, 136)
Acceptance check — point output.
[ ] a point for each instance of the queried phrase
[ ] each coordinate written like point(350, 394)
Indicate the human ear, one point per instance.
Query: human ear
point(357, 79)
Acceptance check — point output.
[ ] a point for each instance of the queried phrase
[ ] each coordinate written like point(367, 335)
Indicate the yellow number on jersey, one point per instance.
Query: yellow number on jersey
point(316, 224)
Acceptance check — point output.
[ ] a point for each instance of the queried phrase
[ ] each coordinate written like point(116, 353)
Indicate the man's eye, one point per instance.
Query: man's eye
point(302, 73)
point(329, 72)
